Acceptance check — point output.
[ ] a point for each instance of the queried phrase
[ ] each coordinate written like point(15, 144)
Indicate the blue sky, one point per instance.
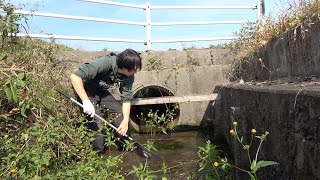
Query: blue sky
point(110, 30)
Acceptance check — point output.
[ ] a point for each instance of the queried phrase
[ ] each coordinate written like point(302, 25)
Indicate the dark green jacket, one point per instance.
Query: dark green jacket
point(101, 73)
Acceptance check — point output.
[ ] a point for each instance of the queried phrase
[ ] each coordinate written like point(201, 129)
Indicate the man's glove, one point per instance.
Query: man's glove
point(88, 108)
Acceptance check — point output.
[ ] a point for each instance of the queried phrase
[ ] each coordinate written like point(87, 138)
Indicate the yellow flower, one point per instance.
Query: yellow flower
point(6, 136)
point(216, 164)
point(150, 114)
point(253, 131)
point(232, 132)
point(235, 123)
point(13, 170)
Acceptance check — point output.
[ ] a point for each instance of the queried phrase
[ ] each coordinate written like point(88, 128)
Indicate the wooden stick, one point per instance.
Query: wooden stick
point(174, 99)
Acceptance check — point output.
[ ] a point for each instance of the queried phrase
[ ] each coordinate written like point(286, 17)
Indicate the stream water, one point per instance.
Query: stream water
point(178, 150)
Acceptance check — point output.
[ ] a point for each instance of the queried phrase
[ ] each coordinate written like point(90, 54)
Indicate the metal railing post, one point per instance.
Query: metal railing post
point(148, 25)
point(261, 11)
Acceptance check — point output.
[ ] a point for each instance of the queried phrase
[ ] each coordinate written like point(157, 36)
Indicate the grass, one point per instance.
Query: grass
point(253, 37)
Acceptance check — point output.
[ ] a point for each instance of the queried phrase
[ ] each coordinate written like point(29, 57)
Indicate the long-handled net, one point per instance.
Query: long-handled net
point(141, 149)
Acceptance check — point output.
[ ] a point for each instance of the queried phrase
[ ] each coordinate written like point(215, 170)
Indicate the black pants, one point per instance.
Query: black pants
point(112, 109)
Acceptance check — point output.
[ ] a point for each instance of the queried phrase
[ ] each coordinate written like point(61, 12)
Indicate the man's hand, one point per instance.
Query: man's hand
point(88, 108)
point(123, 128)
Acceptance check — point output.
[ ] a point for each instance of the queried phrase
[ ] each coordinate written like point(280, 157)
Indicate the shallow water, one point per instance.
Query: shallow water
point(178, 150)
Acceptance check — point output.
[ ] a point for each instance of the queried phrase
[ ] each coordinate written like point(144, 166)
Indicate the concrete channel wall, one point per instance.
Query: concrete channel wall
point(178, 73)
point(282, 98)
point(295, 53)
point(290, 114)
point(185, 73)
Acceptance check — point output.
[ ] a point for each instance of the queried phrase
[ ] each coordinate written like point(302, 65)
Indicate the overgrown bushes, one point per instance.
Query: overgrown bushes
point(254, 36)
point(40, 134)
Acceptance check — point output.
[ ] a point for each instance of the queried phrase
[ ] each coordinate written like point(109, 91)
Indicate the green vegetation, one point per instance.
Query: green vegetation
point(160, 123)
point(209, 156)
point(255, 35)
point(255, 165)
point(40, 134)
point(220, 168)
point(154, 63)
point(252, 36)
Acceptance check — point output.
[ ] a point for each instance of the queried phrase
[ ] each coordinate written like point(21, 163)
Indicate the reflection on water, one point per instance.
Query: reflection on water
point(178, 150)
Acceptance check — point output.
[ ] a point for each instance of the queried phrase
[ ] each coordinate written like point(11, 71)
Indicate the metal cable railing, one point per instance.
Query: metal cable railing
point(260, 7)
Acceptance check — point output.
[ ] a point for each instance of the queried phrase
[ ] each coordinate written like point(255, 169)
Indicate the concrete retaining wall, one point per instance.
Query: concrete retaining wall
point(185, 73)
point(192, 71)
point(290, 115)
point(287, 104)
point(295, 53)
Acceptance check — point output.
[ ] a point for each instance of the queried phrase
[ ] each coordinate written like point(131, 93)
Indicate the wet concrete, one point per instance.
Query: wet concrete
point(177, 150)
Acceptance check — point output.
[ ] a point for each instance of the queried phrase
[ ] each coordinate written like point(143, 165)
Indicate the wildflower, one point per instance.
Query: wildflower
point(13, 170)
point(216, 164)
point(235, 123)
point(150, 114)
point(232, 132)
point(253, 131)
point(6, 136)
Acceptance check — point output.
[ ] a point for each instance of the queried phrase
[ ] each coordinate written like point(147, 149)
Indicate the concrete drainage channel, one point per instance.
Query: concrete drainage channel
point(139, 113)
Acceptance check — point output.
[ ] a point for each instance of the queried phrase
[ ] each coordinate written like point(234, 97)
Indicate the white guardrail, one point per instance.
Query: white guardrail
point(260, 7)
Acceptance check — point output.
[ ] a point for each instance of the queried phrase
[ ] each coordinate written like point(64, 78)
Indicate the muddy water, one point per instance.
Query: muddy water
point(178, 150)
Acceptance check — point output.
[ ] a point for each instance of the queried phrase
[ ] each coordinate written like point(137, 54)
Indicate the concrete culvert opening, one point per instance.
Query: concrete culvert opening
point(154, 116)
